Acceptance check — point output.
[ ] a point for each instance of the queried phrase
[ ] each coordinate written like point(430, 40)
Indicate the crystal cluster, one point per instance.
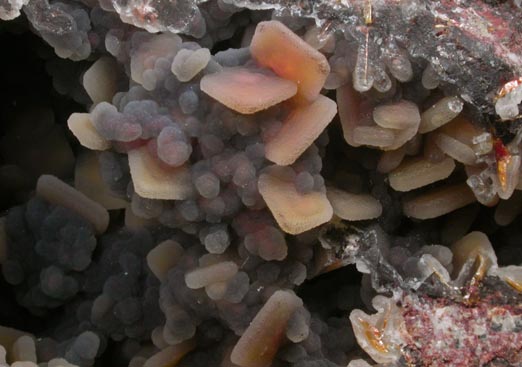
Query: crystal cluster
point(448, 305)
point(224, 182)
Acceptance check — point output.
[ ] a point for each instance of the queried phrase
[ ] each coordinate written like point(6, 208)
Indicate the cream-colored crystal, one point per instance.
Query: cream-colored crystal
point(163, 257)
point(58, 192)
point(155, 181)
point(354, 207)
point(419, 172)
point(88, 180)
point(246, 90)
point(260, 342)
point(100, 80)
point(300, 130)
point(82, 128)
point(294, 212)
point(438, 202)
point(216, 273)
point(277, 47)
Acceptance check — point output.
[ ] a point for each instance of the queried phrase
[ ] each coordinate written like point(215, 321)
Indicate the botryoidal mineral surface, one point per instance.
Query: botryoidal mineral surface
point(265, 183)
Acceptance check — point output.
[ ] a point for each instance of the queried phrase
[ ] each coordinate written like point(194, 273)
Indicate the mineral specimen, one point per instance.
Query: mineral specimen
point(223, 182)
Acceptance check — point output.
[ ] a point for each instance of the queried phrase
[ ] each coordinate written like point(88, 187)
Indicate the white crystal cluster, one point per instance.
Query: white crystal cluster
point(10, 9)
point(178, 16)
point(507, 106)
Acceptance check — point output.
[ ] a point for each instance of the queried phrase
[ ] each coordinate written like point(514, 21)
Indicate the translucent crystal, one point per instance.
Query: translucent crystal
point(382, 82)
point(325, 33)
point(10, 9)
point(49, 18)
point(482, 144)
point(442, 112)
point(507, 106)
point(455, 105)
point(290, 7)
point(64, 26)
point(362, 75)
point(482, 189)
point(176, 16)
point(398, 63)
point(430, 78)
